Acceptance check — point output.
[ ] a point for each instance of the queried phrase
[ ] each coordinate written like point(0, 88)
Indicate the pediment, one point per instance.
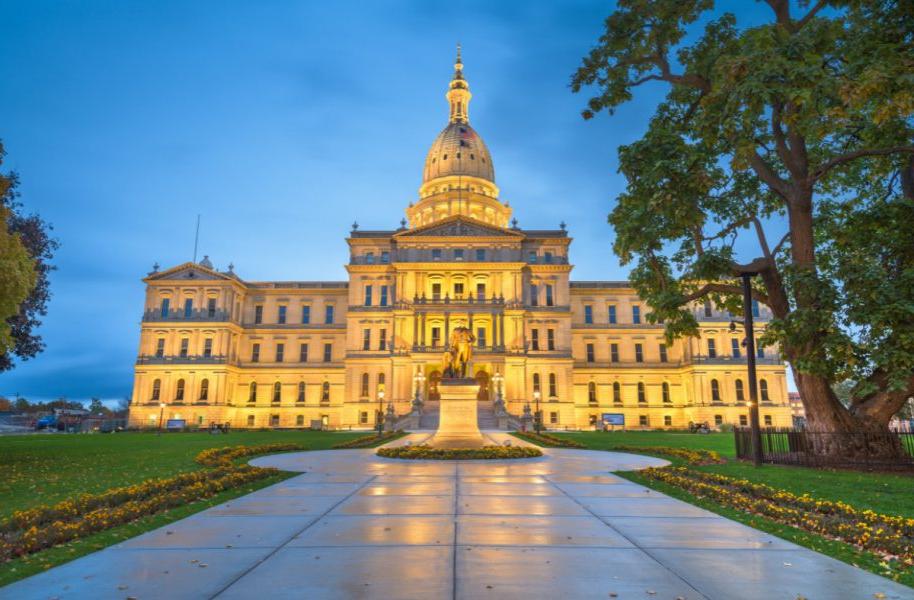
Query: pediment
point(460, 227)
point(189, 271)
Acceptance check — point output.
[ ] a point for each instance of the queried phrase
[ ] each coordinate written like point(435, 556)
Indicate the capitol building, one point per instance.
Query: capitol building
point(217, 348)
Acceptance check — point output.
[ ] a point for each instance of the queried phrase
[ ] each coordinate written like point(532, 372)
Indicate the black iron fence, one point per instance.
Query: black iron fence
point(860, 450)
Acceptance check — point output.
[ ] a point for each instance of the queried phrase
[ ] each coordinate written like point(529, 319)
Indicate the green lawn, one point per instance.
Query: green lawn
point(44, 469)
point(881, 492)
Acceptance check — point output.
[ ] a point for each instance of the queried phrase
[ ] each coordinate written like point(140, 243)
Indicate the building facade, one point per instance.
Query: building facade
point(215, 348)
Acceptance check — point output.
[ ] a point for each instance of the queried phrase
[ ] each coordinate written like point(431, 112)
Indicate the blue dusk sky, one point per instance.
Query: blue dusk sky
point(280, 123)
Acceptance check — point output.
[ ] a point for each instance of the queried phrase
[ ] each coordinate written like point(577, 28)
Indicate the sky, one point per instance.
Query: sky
point(280, 123)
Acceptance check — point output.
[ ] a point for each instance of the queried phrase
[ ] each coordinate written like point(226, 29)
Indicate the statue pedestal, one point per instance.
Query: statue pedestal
point(458, 425)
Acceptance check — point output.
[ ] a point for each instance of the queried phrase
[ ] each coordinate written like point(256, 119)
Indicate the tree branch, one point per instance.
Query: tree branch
point(844, 158)
point(722, 288)
point(777, 247)
point(762, 240)
point(767, 174)
point(812, 13)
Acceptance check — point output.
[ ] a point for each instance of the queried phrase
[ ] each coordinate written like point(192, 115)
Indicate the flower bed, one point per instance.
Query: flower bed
point(693, 457)
point(889, 536)
point(484, 453)
point(548, 440)
point(366, 441)
point(41, 527)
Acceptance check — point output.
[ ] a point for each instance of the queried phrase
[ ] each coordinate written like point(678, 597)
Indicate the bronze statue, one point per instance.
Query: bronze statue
point(459, 352)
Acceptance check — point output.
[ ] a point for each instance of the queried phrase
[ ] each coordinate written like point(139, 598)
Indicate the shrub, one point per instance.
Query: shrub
point(366, 441)
point(484, 453)
point(693, 457)
point(548, 440)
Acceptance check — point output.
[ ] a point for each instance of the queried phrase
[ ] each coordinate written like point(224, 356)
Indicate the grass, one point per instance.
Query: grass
point(44, 469)
point(882, 492)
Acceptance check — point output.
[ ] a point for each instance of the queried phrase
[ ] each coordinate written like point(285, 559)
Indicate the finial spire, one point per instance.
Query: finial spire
point(458, 94)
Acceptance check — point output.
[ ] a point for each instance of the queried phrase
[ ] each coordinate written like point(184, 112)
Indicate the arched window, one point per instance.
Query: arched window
point(536, 382)
point(204, 389)
point(252, 393)
point(250, 420)
point(382, 380)
point(642, 396)
point(763, 390)
point(156, 390)
point(740, 394)
point(617, 393)
point(592, 392)
point(715, 391)
point(325, 391)
point(301, 392)
point(179, 391)
point(363, 390)
point(666, 392)
point(553, 387)
point(277, 393)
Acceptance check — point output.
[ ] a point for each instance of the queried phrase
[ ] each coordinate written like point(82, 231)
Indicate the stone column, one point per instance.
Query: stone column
point(501, 328)
point(447, 328)
point(415, 328)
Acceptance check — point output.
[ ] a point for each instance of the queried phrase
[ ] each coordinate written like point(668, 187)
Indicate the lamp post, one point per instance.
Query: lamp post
point(161, 415)
point(380, 416)
point(499, 379)
point(418, 381)
point(538, 416)
point(756, 432)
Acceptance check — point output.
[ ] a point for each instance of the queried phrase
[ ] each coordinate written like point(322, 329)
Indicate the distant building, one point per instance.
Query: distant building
point(217, 348)
point(797, 410)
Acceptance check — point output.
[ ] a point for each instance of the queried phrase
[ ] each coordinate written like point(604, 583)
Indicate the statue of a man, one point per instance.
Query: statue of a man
point(459, 352)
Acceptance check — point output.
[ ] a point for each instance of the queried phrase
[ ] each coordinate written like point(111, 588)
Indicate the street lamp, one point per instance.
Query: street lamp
point(756, 432)
point(538, 416)
point(380, 415)
point(418, 381)
point(161, 415)
point(499, 379)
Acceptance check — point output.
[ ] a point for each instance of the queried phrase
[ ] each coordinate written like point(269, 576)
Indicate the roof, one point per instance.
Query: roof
point(599, 285)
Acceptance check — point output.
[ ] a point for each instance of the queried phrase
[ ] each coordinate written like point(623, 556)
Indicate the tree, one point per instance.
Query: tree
point(33, 234)
point(96, 406)
point(17, 279)
point(806, 120)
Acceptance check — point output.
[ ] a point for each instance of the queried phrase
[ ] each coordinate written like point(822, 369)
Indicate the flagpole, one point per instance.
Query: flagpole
point(196, 238)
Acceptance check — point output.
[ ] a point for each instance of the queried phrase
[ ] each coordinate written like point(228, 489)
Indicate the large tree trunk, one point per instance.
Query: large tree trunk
point(840, 436)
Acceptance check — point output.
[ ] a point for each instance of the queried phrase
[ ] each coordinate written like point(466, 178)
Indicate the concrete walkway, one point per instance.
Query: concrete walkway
point(353, 525)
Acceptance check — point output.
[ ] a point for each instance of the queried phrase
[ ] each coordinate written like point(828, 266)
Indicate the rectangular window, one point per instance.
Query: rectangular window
point(160, 347)
point(667, 421)
point(614, 352)
point(718, 420)
point(458, 254)
point(534, 339)
point(712, 349)
point(547, 257)
point(305, 315)
point(280, 352)
point(208, 347)
point(363, 417)
point(590, 357)
point(328, 352)
point(534, 295)
point(550, 301)
point(367, 295)
point(258, 314)
point(531, 257)
point(643, 421)
point(553, 386)
point(382, 340)
point(436, 337)
point(663, 357)
point(612, 314)
point(588, 314)
point(458, 290)
point(550, 339)
point(328, 314)
point(165, 303)
point(185, 343)
point(366, 339)
point(281, 314)
point(255, 353)
point(383, 300)
point(436, 253)
point(755, 310)
point(553, 418)
point(211, 308)
point(759, 350)
point(188, 308)
point(743, 421)
point(636, 314)
point(481, 292)
point(436, 291)
point(708, 310)
point(639, 353)
point(481, 337)
point(303, 353)
point(480, 254)
point(385, 257)
point(734, 347)
point(767, 419)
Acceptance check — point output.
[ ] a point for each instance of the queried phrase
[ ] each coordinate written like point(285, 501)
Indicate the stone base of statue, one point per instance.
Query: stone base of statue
point(458, 424)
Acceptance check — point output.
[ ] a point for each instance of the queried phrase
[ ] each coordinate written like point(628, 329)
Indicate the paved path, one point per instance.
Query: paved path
point(353, 525)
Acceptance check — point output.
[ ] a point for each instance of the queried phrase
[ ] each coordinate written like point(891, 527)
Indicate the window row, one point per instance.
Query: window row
point(180, 391)
point(188, 308)
point(282, 313)
point(280, 353)
point(553, 385)
point(276, 395)
point(615, 356)
point(592, 397)
point(364, 391)
point(735, 348)
point(535, 340)
point(382, 339)
point(459, 291)
point(612, 314)
point(740, 391)
point(708, 309)
point(548, 294)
